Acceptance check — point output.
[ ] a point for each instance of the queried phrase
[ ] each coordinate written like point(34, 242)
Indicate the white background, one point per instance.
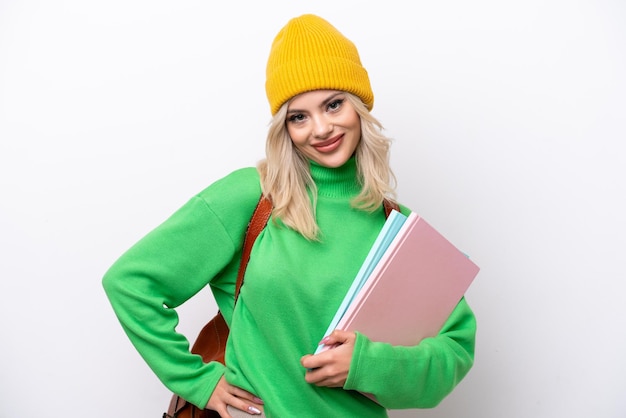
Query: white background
point(508, 119)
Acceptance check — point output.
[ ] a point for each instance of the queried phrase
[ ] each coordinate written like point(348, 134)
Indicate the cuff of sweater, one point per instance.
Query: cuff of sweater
point(203, 392)
point(352, 380)
point(366, 373)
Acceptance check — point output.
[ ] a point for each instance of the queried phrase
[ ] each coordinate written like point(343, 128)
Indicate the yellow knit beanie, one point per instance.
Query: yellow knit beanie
point(311, 54)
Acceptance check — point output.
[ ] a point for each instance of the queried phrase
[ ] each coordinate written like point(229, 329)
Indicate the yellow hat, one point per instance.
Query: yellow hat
point(311, 54)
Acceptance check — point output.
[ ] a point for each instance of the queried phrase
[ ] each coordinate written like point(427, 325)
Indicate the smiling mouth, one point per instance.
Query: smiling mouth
point(329, 144)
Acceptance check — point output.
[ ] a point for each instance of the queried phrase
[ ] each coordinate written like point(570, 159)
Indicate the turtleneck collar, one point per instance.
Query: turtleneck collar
point(336, 182)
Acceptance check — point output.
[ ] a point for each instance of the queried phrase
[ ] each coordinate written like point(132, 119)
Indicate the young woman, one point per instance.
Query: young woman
point(326, 172)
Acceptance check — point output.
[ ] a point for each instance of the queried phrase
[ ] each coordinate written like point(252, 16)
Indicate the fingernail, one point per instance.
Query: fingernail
point(258, 400)
point(324, 340)
point(253, 410)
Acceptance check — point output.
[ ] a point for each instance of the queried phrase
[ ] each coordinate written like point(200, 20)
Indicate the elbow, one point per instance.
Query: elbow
point(109, 283)
point(112, 284)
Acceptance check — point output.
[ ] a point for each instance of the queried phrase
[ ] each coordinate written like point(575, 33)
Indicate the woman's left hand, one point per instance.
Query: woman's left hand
point(330, 368)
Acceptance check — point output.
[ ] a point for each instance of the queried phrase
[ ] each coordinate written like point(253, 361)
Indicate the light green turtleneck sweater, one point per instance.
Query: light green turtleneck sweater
point(292, 289)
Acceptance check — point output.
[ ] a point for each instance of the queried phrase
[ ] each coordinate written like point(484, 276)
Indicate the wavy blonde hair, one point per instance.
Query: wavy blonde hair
point(286, 177)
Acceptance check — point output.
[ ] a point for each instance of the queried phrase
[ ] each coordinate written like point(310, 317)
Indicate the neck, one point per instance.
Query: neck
point(336, 182)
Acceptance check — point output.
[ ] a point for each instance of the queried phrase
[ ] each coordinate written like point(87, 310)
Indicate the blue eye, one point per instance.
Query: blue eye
point(296, 117)
point(335, 104)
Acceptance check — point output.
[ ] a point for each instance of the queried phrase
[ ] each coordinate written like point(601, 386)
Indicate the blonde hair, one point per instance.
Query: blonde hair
point(287, 181)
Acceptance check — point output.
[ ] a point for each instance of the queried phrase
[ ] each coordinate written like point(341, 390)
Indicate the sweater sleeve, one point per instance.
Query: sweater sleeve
point(167, 267)
point(419, 376)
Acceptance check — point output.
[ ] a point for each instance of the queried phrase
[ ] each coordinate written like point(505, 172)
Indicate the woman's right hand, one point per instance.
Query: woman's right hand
point(226, 394)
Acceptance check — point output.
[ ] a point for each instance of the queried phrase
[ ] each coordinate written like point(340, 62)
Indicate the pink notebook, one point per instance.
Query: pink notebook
point(413, 289)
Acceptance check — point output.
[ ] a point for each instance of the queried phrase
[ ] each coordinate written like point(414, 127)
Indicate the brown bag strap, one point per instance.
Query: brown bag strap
point(257, 222)
point(390, 205)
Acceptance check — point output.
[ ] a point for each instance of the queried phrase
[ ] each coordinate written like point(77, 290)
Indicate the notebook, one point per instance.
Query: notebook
point(412, 289)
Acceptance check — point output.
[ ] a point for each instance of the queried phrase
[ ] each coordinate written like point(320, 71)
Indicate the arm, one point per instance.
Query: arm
point(419, 376)
point(158, 274)
point(400, 377)
point(198, 244)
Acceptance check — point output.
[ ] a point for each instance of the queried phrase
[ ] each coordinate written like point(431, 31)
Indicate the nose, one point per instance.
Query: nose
point(322, 127)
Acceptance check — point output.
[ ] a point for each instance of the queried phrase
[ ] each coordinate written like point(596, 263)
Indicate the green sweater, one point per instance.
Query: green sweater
point(291, 291)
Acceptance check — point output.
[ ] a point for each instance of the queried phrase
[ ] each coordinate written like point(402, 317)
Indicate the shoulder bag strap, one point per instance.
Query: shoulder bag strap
point(258, 221)
point(390, 205)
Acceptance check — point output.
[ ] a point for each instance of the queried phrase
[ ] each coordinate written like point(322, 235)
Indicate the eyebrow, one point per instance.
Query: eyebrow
point(323, 104)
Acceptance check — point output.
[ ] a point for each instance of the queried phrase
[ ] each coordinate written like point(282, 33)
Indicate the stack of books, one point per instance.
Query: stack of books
point(408, 285)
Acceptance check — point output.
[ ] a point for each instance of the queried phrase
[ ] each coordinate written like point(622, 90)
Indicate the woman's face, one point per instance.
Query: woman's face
point(324, 126)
